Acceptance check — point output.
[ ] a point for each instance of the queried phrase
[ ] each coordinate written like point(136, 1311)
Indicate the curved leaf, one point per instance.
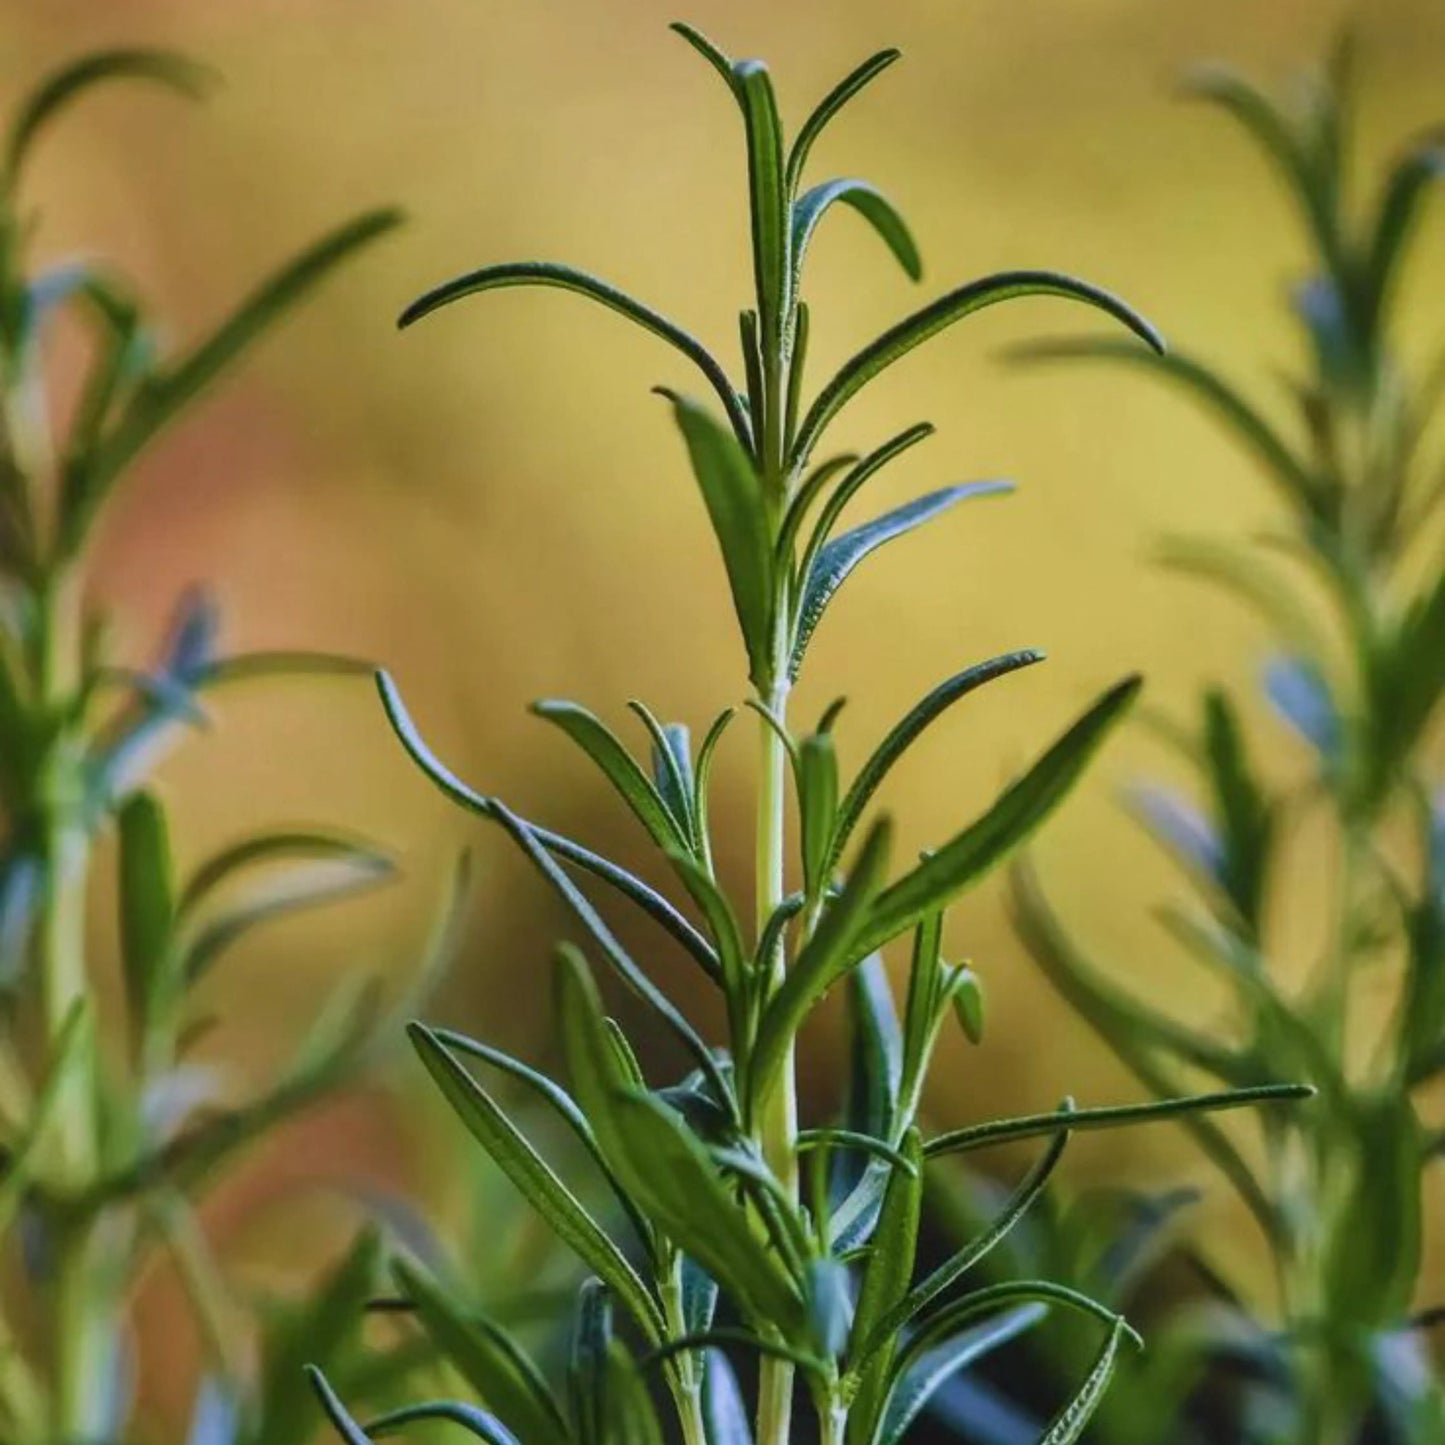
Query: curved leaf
point(1017, 812)
point(899, 340)
point(905, 733)
point(1405, 189)
point(829, 106)
point(632, 888)
point(837, 559)
point(568, 278)
point(625, 774)
point(870, 203)
point(1069, 1424)
point(165, 68)
point(480, 1423)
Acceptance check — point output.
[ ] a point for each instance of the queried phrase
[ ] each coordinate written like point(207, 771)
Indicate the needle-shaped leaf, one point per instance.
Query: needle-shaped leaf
point(990, 838)
point(568, 278)
point(899, 340)
point(829, 106)
point(733, 494)
point(622, 770)
point(147, 910)
point(617, 957)
point(182, 380)
point(817, 808)
point(631, 887)
point(487, 1357)
point(335, 1411)
point(1033, 1126)
point(709, 52)
point(535, 1178)
point(912, 1393)
point(906, 731)
point(769, 208)
point(870, 203)
point(1069, 1424)
point(481, 1424)
point(1406, 187)
point(824, 959)
point(837, 559)
point(886, 1278)
point(165, 68)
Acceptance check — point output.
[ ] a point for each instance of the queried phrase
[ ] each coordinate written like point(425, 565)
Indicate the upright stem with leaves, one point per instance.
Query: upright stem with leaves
point(1352, 589)
point(749, 1233)
point(106, 1140)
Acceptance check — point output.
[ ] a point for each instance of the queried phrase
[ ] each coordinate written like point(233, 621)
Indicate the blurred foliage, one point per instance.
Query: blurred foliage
point(1353, 593)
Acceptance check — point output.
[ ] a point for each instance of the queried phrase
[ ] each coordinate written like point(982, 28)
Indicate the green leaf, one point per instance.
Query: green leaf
point(709, 52)
point(487, 1357)
point(671, 764)
point(965, 988)
point(147, 911)
point(829, 107)
point(662, 1166)
point(305, 845)
point(631, 1418)
point(537, 1181)
point(1069, 1424)
point(722, 921)
point(1285, 468)
point(617, 957)
point(898, 341)
point(989, 839)
point(906, 732)
point(817, 808)
point(911, 1394)
point(164, 68)
point(1032, 1126)
point(624, 773)
point(341, 1422)
point(1406, 187)
point(891, 1258)
point(824, 959)
point(632, 888)
point(769, 201)
point(871, 204)
point(701, 776)
point(838, 558)
point(180, 382)
point(875, 1070)
point(561, 1102)
point(1244, 812)
point(479, 1423)
point(568, 278)
point(733, 494)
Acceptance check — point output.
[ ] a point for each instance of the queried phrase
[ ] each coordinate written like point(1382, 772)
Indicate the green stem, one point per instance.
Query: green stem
point(778, 1126)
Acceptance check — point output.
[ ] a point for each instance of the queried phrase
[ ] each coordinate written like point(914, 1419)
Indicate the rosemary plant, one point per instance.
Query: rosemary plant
point(1353, 591)
point(111, 1124)
point(755, 1231)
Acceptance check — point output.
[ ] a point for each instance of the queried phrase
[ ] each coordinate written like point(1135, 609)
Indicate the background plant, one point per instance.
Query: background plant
point(755, 1232)
point(1353, 591)
point(113, 1121)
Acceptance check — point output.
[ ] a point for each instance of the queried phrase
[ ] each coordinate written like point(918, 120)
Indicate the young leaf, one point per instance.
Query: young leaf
point(905, 733)
point(818, 809)
point(839, 557)
point(709, 52)
point(733, 494)
point(633, 785)
point(829, 106)
point(769, 207)
point(535, 1178)
point(957, 304)
point(568, 278)
point(1020, 809)
point(965, 988)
